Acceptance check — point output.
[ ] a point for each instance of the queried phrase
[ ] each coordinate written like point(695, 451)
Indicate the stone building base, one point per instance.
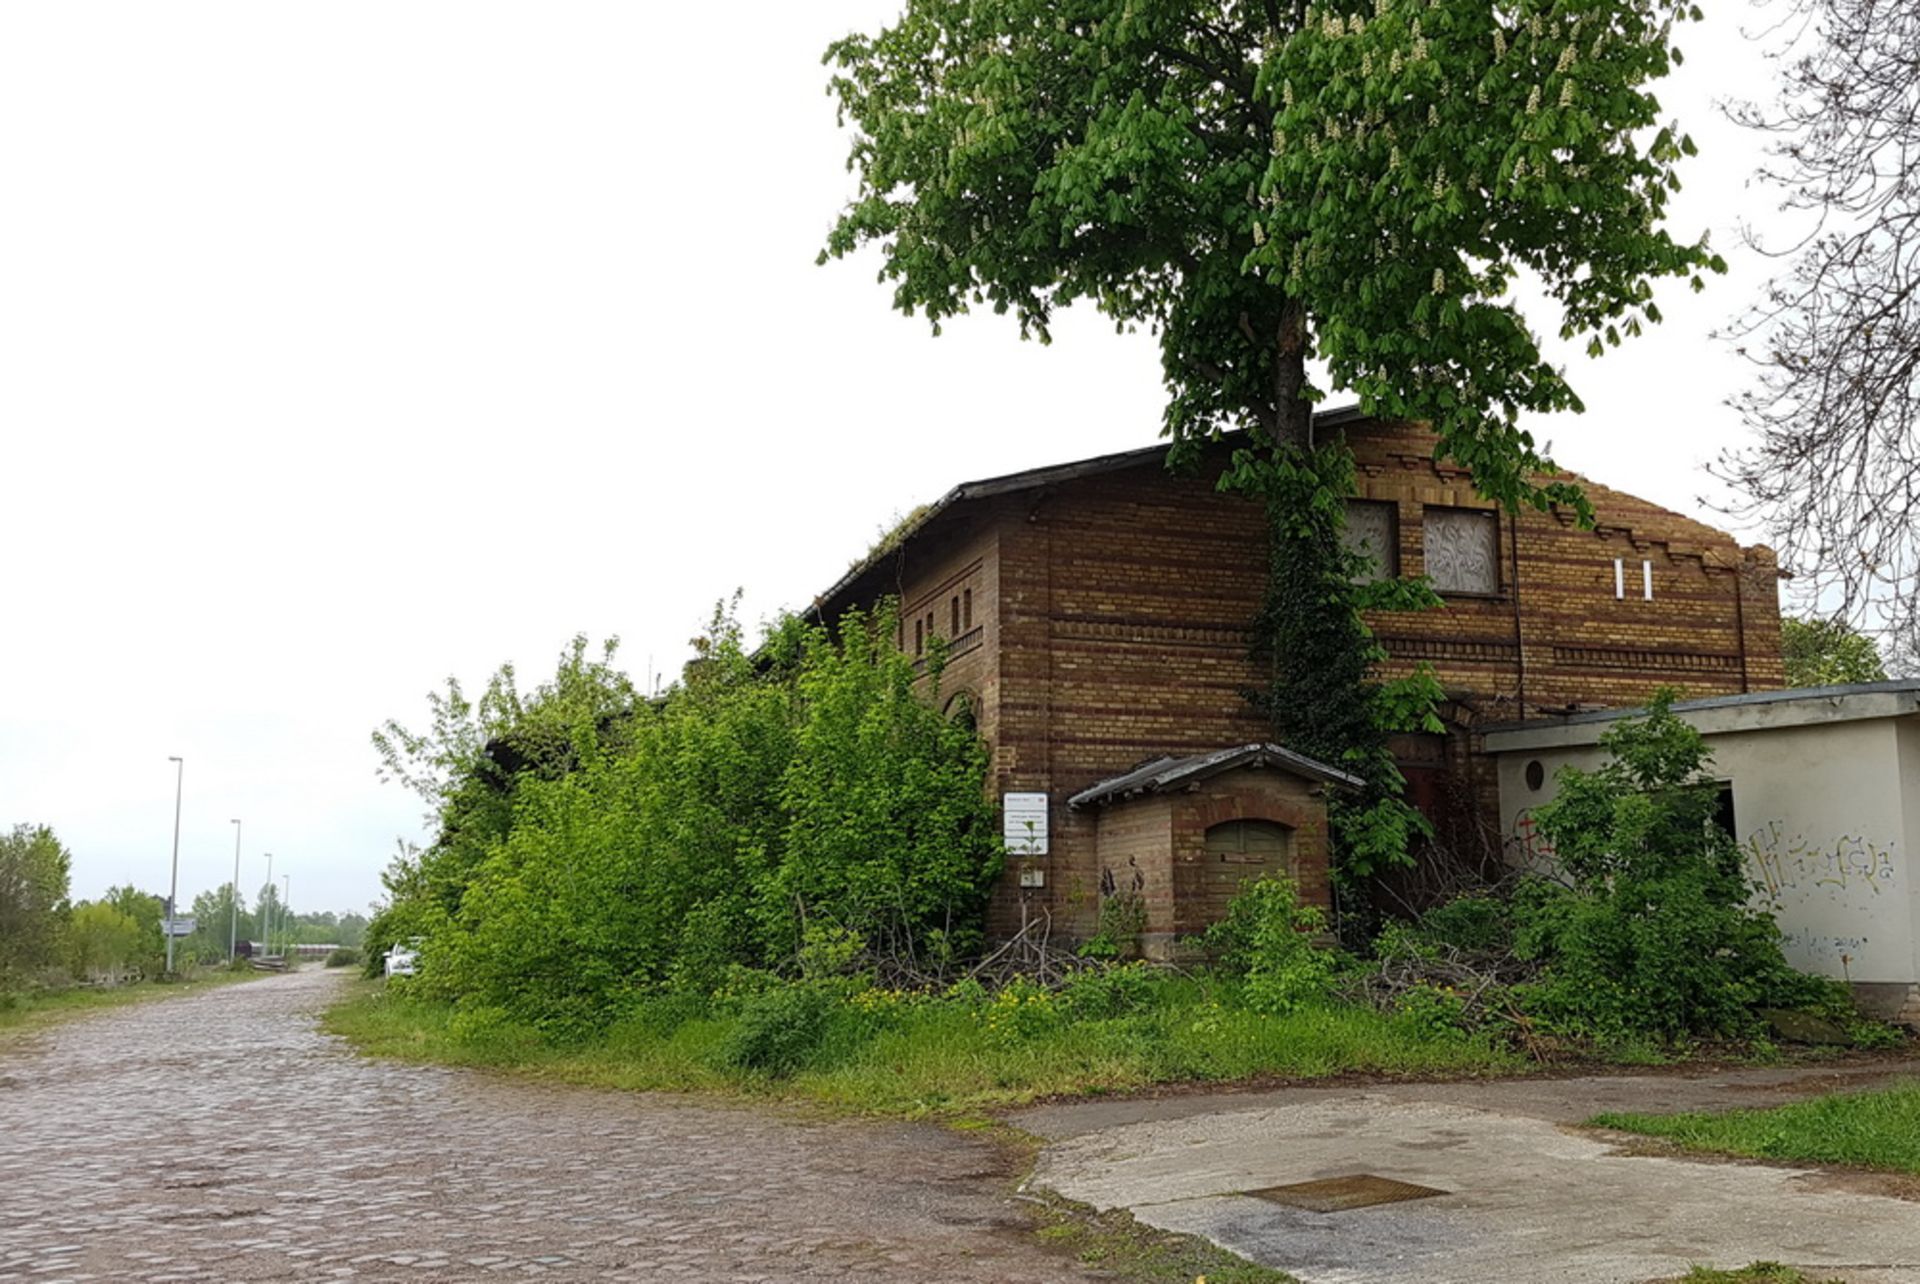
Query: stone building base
point(1889, 1000)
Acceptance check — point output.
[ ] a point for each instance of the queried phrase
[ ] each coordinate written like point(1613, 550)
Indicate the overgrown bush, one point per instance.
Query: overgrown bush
point(343, 957)
point(778, 1030)
point(1652, 934)
point(780, 810)
point(1275, 943)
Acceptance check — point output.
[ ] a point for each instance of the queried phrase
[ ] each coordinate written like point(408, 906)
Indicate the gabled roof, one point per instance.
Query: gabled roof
point(1167, 773)
point(1031, 479)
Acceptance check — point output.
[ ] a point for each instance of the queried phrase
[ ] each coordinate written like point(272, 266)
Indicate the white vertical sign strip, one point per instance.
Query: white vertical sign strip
point(1646, 579)
point(1619, 578)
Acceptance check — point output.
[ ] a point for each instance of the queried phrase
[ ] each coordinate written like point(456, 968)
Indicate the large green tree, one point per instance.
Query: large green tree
point(33, 900)
point(1267, 185)
point(1828, 652)
point(1264, 183)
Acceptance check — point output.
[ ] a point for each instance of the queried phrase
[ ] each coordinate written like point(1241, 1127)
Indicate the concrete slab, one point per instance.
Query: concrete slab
point(1528, 1200)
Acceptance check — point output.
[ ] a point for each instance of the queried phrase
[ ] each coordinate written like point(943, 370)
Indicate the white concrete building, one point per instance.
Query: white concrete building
point(1823, 792)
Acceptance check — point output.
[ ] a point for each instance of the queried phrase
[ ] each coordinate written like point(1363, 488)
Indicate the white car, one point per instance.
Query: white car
point(402, 961)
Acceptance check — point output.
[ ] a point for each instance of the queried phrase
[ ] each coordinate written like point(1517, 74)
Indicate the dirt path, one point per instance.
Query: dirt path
point(221, 1137)
point(1522, 1197)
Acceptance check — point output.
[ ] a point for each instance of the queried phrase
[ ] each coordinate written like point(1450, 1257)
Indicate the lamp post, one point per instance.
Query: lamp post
point(233, 902)
point(173, 883)
point(266, 937)
point(286, 931)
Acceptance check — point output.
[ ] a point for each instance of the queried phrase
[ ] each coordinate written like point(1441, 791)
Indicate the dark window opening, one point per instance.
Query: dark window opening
point(1723, 809)
point(919, 639)
point(966, 608)
point(955, 608)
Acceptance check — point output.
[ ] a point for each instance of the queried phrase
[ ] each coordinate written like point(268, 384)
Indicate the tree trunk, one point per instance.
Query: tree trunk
point(1292, 413)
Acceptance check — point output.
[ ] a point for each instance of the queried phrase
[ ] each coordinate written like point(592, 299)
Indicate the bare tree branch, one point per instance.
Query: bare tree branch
point(1834, 470)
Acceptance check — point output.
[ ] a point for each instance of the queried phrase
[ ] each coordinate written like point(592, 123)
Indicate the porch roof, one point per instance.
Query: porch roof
point(1166, 773)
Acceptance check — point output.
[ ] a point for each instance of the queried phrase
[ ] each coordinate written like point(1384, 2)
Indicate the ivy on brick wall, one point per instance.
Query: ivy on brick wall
point(1322, 692)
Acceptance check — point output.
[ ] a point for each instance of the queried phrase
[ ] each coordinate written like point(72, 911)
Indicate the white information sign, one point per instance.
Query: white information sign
point(1025, 823)
point(176, 926)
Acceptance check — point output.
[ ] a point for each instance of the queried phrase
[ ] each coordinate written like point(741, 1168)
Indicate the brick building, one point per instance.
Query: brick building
point(1095, 616)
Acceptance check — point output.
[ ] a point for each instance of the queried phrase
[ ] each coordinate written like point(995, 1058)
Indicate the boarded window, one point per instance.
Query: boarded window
point(1463, 550)
point(1248, 842)
point(1373, 533)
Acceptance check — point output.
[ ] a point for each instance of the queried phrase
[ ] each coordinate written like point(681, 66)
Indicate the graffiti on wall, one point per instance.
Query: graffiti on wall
point(1528, 848)
point(1816, 948)
point(1850, 866)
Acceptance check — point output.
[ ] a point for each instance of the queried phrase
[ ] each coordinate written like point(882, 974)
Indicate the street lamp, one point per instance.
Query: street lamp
point(233, 902)
point(286, 931)
point(266, 937)
point(173, 885)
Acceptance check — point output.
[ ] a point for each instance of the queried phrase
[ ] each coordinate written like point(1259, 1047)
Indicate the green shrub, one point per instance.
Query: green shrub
point(778, 1030)
point(1269, 939)
point(1654, 935)
point(1110, 991)
point(789, 809)
point(1475, 922)
point(491, 1033)
point(344, 957)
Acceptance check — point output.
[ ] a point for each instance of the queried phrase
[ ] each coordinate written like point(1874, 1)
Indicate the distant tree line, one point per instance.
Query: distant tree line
point(47, 939)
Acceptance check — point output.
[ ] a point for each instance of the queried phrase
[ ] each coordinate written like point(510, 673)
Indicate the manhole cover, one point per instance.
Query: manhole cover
point(1338, 1194)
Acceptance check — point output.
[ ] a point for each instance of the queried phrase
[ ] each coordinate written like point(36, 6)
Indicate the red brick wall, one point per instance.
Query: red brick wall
point(1204, 886)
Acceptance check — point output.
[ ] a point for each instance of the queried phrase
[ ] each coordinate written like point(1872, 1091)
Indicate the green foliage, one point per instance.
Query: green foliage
point(1653, 935)
point(1474, 922)
point(34, 868)
point(345, 956)
point(1270, 939)
point(778, 1030)
point(1873, 1129)
point(1100, 992)
point(1321, 696)
point(786, 810)
point(914, 1052)
point(1828, 653)
point(1354, 180)
point(1123, 917)
point(102, 943)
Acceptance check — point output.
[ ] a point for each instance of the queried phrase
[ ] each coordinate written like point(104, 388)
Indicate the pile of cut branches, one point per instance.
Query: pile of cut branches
point(1481, 980)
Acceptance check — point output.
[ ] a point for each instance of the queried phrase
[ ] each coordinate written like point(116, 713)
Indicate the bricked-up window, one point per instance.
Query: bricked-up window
point(966, 608)
point(1373, 532)
point(1463, 550)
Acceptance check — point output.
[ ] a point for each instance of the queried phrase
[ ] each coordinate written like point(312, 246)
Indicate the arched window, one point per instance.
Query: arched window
point(960, 710)
point(1249, 842)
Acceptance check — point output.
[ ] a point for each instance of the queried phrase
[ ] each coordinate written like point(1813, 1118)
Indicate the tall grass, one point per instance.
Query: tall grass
point(1869, 1129)
point(33, 1009)
point(887, 1053)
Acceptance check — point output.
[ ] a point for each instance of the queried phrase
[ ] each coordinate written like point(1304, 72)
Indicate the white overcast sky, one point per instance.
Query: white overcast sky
point(347, 346)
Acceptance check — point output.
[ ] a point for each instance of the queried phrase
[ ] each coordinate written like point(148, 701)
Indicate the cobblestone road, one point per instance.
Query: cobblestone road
point(221, 1137)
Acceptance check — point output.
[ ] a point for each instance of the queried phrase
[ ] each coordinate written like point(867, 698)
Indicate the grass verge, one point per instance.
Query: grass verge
point(943, 1059)
point(24, 1013)
point(1122, 1248)
point(1758, 1273)
point(1879, 1129)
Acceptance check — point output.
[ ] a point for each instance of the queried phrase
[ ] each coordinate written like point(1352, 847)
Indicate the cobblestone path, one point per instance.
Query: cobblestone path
point(221, 1137)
